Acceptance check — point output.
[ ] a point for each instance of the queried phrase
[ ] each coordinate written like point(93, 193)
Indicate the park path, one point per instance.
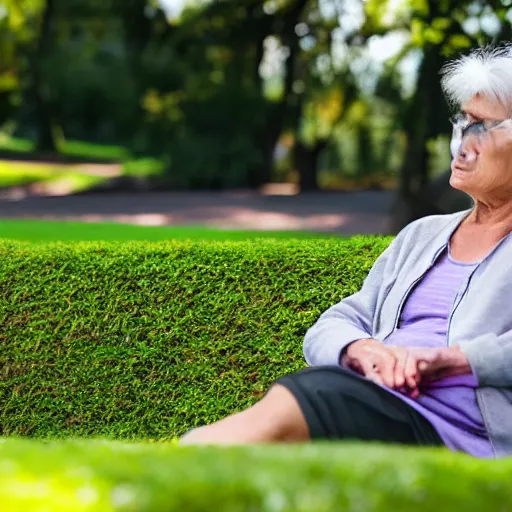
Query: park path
point(345, 213)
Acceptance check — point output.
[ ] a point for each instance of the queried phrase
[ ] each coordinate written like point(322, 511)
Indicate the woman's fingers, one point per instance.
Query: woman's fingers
point(380, 369)
point(406, 372)
point(371, 370)
point(400, 365)
point(411, 372)
point(375, 377)
point(385, 365)
point(386, 370)
point(423, 366)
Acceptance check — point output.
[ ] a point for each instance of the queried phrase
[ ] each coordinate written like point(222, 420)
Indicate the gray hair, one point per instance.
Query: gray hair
point(486, 71)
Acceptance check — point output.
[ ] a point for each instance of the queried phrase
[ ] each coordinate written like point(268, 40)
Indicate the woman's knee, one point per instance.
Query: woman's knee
point(280, 412)
point(275, 418)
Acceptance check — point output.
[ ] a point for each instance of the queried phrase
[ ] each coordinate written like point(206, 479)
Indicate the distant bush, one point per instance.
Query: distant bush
point(144, 167)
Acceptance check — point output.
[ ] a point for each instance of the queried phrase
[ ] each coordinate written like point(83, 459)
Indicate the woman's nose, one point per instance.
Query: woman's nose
point(468, 148)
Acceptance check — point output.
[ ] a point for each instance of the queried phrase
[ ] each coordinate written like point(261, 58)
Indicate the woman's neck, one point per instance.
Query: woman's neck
point(494, 216)
point(479, 233)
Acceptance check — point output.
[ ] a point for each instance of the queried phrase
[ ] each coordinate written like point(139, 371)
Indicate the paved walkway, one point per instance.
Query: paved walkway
point(338, 212)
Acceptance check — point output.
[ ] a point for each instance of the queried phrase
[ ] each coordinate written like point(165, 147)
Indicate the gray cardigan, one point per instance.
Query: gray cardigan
point(480, 321)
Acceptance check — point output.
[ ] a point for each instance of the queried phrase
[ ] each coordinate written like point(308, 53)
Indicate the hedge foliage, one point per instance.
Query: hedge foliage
point(111, 476)
point(140, 340)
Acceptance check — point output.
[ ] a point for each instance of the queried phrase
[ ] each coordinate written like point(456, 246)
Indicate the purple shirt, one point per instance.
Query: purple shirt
point(449, 404)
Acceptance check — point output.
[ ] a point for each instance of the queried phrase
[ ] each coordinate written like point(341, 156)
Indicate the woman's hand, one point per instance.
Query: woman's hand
point(439, 363)
point(387, 365)
point(403, 368)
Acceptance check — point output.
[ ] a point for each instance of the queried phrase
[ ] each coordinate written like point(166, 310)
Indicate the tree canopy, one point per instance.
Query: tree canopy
point(232, 93)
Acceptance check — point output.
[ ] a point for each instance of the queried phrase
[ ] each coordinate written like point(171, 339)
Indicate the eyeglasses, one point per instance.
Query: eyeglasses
point(463, 123)
point(464, 126)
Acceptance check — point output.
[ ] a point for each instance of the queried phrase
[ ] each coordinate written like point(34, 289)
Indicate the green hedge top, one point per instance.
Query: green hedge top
point(111, 476)
point(140, 340)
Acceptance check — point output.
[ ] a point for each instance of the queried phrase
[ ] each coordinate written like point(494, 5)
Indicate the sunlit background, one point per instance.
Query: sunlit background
point(289, 115)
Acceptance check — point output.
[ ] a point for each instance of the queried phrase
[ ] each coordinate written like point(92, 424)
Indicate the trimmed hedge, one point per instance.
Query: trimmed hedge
point(139, 340)
point(111, 476)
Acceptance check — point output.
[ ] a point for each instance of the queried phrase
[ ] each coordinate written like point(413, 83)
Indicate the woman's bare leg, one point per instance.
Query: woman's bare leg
point(275, 418)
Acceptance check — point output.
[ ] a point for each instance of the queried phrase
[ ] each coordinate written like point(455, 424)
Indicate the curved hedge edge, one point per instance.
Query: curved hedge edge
point(9, 243)
point(98, 475)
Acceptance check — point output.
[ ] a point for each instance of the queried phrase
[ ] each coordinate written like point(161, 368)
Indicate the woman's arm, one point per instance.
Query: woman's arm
point(349, 320)
point(490, 357)
point(438, 363)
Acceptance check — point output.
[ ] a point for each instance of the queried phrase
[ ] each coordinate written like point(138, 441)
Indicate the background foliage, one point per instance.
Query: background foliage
point(237, 93)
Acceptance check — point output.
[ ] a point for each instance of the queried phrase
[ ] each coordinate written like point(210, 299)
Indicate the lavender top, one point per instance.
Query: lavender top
point(449, 404)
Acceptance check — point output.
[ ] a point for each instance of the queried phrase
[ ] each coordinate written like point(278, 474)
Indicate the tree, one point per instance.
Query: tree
point(191, 91)
point(437, 29)
point(46, 141)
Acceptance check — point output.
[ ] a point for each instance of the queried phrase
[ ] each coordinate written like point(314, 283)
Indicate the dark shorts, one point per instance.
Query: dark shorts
point(339, 404)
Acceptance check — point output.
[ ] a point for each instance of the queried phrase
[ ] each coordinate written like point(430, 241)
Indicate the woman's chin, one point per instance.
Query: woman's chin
point(460, 179)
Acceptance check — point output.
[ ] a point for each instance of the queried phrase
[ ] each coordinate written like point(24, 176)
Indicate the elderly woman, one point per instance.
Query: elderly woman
point(422, 354)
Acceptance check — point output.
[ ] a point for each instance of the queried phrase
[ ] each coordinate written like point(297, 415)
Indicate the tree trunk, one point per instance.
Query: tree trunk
point(273, 127)
point(137, 31)
point(45, 136)
point(306, 161)
point(424, 120)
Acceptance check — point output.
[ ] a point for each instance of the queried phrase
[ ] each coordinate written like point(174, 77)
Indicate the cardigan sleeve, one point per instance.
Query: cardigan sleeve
point(349, 320)
point(490, 357)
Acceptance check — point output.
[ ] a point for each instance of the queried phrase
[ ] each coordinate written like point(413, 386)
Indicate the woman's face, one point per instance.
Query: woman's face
point(483, 165)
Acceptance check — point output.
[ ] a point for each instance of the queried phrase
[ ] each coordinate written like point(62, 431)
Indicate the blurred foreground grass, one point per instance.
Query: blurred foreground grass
point(115, 476)
point(48, 231)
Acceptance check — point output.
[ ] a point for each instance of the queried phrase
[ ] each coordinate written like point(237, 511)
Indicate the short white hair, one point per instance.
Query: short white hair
point(485, 71)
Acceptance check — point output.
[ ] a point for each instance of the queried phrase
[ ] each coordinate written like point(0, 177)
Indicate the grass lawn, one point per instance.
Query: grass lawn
point(20, 173)
point(47, 231)
point(73, 148)
point(14, 174)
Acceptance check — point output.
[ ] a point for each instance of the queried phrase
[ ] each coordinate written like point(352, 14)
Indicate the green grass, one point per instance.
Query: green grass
point(101, 476)
point(24, 173)
point(15, 144)
point(75, 182)
point(18, 173)
point(44, 231)
point(89, 150)
point(94, 151)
